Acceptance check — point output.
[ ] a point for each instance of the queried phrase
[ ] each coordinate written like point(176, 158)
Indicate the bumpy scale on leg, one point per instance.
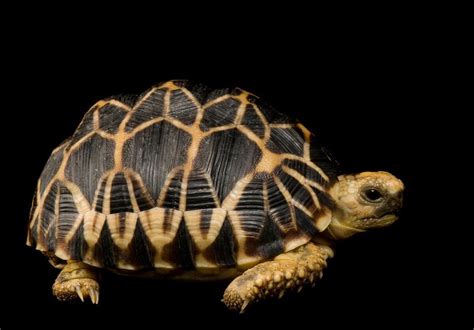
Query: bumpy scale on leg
point(77, 280)
point(289, 271)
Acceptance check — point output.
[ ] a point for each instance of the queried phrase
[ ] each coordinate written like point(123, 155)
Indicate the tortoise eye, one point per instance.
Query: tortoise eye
point(372, 195)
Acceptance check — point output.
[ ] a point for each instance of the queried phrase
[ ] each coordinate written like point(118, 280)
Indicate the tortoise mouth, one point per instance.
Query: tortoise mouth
point(385, 219)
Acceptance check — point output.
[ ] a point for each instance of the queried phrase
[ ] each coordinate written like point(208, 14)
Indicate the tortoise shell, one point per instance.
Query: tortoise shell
point(182, 177)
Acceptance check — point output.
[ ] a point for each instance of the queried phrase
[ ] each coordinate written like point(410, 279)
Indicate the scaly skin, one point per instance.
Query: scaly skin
point(77, 280)
point(289, 271)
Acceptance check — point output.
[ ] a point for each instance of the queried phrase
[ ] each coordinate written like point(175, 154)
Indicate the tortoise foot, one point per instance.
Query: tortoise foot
point(77, 280)
point(290, 271)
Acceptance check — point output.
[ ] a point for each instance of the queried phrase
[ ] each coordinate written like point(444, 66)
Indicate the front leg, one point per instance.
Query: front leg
point(77, 280)
point(288, 271)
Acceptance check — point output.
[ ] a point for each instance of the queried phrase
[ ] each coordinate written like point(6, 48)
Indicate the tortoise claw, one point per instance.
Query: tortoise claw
point(77, 288)
point(79, 292)
point(94, 295)
point(77, 280)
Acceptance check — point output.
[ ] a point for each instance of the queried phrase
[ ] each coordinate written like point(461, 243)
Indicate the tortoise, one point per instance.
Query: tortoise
point(191, 183)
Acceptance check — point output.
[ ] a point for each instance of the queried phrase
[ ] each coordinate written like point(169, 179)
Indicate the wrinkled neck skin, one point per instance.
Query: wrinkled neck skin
point(336, 230)
point(338, 227)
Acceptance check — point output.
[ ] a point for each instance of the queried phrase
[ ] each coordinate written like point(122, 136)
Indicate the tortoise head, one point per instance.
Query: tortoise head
point(363, 201)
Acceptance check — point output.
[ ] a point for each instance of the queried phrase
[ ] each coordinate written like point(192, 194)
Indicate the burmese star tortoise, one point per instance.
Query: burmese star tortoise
point(198, 184)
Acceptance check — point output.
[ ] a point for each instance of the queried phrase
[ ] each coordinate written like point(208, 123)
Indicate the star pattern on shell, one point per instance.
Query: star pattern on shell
point(182, 178)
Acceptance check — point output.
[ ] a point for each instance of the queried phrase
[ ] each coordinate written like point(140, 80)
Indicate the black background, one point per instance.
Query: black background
point(370, 93)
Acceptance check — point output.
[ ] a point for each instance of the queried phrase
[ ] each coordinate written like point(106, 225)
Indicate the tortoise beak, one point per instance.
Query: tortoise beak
point(392, 205)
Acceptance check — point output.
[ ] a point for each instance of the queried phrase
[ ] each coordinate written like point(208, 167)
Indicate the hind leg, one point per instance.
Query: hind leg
point(77, 280)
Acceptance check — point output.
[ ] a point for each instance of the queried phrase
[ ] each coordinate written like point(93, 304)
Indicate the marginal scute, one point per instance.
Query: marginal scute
point(122, 229)
point(154, 222)
point(180, 252)
point(269, 241)
point(104, 254)
point(141, 250)
point(223, 250)
point(93, 223)
point(76, 247)
point(204, 225)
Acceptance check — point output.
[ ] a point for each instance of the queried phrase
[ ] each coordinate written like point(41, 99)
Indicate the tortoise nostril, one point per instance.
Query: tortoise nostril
point(397, 202)
point(400, 198)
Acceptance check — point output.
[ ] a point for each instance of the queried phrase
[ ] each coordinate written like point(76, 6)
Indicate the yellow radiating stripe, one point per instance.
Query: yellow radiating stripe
point(82, 204)
point(307, 138)
point(215, 101)
point(122, 238)
point(193, 224)
point(95, 120)
point(281, 126)
point(233, 197)
point(195, 102)
point(119, 104)
point(106, 135)
point(145, 97)
point(131, 192)
point(242, 98)
point(107, 193)
point(142, 127)
point(266, 126)
point(288, 198)
point(166, 185)
point(219, 129)
point(93, 223)
point(302, 180)
point(310, 164)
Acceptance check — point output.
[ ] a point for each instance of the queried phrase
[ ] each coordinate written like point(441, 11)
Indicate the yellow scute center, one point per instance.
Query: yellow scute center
point(269, 161)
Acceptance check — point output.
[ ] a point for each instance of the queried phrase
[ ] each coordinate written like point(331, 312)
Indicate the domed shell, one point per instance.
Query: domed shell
point(182, 177)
